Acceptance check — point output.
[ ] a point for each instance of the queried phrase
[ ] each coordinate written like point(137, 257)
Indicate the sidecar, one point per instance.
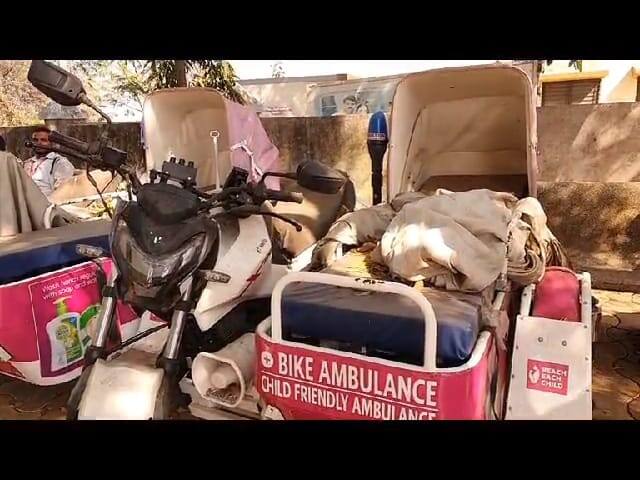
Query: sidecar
point(352, 345)
point(49, 297)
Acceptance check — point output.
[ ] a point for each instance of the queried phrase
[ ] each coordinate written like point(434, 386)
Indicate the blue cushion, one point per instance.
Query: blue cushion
point(382, 322)
point(35, 253)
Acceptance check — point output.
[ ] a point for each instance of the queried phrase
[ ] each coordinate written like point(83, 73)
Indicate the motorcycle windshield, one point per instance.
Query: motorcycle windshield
point(181, 121)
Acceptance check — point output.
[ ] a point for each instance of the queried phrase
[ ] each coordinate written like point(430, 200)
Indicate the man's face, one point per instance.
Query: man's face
point(40, 139)
point(349, 106)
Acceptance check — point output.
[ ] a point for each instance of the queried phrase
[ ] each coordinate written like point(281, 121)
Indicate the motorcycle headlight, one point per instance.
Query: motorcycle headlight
point(155, 270)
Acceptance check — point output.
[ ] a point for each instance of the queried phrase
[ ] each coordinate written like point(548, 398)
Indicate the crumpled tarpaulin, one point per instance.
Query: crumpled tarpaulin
point(532, 246)
point(23, 204)
point(456, 240)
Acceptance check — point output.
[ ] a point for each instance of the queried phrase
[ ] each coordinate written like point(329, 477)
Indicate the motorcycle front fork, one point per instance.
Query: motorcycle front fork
point(169, 360)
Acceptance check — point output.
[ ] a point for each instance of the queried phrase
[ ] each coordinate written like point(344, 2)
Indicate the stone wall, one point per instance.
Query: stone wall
point(589, 173)
point(590, 143)
point(339, 141)
point(578, 143)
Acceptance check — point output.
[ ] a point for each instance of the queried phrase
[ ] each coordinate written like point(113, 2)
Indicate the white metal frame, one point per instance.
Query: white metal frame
point(531, 335)
point(48, 216)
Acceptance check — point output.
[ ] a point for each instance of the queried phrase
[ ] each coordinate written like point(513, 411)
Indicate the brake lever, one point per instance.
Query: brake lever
point(283, 218)
point(247, 210)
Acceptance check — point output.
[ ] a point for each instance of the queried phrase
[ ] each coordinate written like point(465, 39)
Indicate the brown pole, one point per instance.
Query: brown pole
point(181, 73)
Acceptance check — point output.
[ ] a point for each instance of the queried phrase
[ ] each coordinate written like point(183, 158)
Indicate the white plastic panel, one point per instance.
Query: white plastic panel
point(551, 370)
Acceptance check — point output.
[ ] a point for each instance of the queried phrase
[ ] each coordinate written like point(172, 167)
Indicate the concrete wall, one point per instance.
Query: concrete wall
point(577, 143)
point(590, 143)
point(339, 141)
point(599, 226)
point(589, 162)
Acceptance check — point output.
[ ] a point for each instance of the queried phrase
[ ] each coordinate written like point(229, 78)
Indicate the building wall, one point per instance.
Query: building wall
point(372, 95)
point(619, 85)
point(280, 99)
point(300, 99)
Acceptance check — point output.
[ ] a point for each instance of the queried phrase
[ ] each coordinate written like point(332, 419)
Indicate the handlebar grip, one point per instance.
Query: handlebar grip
point(67, 152)
point(69, 142)
point(285, 196)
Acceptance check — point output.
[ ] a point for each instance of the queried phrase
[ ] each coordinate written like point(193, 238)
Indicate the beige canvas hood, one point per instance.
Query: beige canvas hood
point(474, 125)
point(180, 121)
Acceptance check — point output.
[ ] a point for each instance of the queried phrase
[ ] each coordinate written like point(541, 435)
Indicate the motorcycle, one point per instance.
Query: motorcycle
point(167, 242)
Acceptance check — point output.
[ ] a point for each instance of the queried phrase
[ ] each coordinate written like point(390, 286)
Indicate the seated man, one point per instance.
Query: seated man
point(47, 170)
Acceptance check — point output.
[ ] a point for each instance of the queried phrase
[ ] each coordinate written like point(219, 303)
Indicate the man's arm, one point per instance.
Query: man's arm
point(62, 171)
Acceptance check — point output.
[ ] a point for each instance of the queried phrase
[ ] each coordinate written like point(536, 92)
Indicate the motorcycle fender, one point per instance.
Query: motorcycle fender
point(243, 263)
point(211, 316)
point(120, 390)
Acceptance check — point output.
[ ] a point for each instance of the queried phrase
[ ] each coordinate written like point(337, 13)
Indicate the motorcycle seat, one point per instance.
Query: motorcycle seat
point(316, 214)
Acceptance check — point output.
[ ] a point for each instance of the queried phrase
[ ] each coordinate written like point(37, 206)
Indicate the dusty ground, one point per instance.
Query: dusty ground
point(616, 372)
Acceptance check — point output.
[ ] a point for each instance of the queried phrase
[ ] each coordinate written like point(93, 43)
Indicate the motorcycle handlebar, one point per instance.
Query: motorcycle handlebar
point(260, 195)
point(67, 152)
point(70, 142)
point(90, 160)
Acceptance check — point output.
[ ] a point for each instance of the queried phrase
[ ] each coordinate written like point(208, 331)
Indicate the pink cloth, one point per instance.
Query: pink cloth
point(244, 124)
point(557, 296)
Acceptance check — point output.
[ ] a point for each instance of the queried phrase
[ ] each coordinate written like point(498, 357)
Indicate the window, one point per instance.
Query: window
point(328, 106)
point(573, 92)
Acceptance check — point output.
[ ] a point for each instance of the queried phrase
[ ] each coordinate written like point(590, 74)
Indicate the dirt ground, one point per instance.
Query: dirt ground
point(616, 372)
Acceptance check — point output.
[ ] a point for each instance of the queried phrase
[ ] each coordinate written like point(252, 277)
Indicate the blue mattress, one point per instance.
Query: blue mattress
point(383, 324)
point(35, 253)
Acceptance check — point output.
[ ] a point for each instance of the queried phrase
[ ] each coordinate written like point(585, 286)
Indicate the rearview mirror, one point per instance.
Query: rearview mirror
point(56, 83)
point(320, 178)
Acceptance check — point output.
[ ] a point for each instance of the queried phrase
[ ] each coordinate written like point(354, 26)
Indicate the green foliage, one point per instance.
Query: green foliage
point(125, 83)
point(216, 74)
point(20, 102)
point(137, 78)
point(577, 64)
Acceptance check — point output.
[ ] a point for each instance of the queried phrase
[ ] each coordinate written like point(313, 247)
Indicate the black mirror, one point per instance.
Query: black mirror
point(56, 83)
point(320, 178)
